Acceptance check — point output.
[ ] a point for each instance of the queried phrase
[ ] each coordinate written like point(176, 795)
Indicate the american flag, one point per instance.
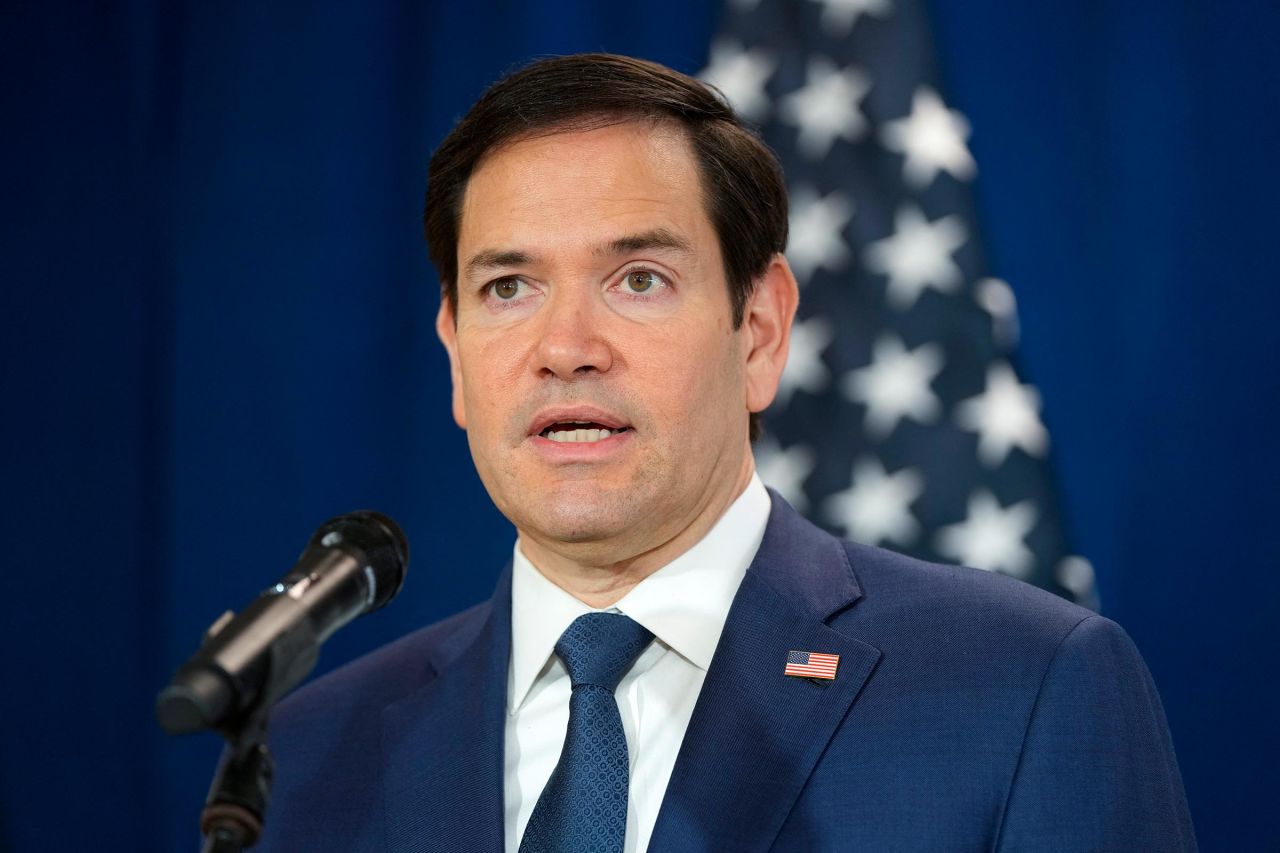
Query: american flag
point(901, 420)
point(811, 665)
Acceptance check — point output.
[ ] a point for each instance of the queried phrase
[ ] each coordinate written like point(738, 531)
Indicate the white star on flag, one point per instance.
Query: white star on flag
point(815, 240)
point(1076, 575)
point(895, 385)
point(876, 506)
point(839, 16)
point(785, 470)
point(826, 107)
point(918, 255)
point(804, 362)
point(741, 75)
point(932, 139)
point(1005, 415)
point(991, 537)
point(997, 299)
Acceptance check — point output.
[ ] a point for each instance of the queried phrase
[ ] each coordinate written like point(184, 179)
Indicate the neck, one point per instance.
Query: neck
point(601, 574)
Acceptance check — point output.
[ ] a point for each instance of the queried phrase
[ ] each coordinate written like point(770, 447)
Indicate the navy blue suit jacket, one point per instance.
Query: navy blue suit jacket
point(970, 712)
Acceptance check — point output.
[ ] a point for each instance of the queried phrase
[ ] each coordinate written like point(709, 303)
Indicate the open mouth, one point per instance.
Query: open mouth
point(580, 431)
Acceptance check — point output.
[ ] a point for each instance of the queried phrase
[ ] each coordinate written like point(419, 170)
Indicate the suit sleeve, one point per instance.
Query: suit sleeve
point(1097, 770)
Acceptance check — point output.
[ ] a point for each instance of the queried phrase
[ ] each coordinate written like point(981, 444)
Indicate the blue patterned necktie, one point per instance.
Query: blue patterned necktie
point(584, 806)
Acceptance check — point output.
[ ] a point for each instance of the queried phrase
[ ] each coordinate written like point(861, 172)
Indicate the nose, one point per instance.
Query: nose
point(572, 342)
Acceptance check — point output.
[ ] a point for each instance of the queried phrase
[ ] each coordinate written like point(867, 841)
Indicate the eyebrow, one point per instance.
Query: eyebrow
point(496, 259)
point(658, 238)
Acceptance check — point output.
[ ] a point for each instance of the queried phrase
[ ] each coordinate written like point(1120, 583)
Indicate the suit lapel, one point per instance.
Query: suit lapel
point(442, 747)
point(756, 734)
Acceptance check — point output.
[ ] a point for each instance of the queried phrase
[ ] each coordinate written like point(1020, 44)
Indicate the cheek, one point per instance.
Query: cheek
point(702, 388)
point(489, 372)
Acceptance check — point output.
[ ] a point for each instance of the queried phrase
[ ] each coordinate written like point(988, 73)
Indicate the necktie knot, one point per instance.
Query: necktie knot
point(598, 648)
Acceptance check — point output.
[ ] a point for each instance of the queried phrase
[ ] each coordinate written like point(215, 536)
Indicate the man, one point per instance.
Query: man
point(675, 660)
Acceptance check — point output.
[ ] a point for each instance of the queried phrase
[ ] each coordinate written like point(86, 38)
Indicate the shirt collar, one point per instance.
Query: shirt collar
point(685, 603)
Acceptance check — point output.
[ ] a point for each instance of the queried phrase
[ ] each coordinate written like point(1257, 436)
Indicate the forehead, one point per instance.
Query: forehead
point(584, 184)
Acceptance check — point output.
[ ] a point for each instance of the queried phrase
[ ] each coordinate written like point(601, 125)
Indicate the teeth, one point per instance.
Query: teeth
point(579, 435)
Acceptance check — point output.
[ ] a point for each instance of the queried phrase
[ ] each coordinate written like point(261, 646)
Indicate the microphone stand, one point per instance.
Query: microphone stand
point(237, 801)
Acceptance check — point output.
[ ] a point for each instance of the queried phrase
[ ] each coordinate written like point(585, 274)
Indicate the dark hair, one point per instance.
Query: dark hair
point(742, 185)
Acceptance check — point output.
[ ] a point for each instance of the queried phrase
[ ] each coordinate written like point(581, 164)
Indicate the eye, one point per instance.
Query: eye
point(642, 281)
point(507, 293)
point(642, 291)
point(505, 288)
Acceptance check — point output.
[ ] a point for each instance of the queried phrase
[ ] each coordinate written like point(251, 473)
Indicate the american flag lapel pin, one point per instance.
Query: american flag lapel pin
point(811, 665)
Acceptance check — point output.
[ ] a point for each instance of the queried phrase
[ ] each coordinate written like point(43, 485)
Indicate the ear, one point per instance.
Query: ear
point(447, 330)
point(767, 322)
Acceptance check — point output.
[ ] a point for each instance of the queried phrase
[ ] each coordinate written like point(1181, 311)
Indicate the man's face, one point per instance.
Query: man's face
point(595, 367)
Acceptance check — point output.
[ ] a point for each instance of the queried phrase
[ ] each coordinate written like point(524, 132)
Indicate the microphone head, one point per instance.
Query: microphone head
point(380, 540)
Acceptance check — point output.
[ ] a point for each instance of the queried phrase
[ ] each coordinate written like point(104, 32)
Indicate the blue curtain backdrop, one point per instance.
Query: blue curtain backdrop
point(218, 332)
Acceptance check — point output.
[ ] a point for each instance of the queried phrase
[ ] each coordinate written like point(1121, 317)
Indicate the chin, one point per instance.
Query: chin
point(580, 513)
point(576, 522)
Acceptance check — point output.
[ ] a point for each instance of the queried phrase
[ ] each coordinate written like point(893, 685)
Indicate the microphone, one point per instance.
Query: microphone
point(353, 565)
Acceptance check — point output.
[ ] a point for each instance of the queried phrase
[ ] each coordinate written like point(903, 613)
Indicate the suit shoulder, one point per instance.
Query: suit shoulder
point(391, 670)
point(960, 603)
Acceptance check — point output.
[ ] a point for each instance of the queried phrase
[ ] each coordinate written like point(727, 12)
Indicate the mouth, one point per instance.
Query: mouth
point(577, 426)
point(580, 432)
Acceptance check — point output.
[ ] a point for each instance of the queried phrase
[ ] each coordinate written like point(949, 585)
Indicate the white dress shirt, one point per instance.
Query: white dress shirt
point(684, 604)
